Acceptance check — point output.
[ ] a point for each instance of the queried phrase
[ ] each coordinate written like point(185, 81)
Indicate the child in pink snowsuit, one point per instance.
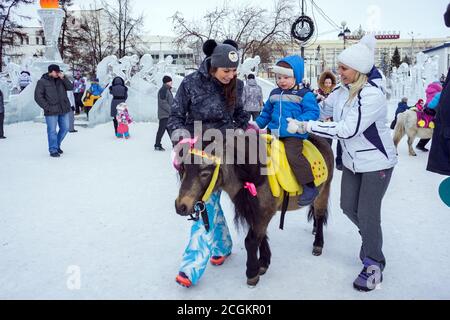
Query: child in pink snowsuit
point(124, 120)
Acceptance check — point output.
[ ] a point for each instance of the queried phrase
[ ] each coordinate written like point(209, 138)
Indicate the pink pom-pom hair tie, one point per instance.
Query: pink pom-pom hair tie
point(251, 188)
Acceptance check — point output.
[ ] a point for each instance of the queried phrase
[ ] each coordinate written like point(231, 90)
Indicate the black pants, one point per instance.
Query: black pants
point(2, 118)
point(78, 102)
point(162, 128)
point(116, 124)
point(339, 154)
point(423, 143)
point(338, 151)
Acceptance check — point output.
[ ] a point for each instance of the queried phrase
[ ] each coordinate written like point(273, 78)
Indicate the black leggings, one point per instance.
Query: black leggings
point(116, 124)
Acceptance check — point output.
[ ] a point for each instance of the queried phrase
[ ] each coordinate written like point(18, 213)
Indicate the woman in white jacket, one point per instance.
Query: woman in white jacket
point(360, 115)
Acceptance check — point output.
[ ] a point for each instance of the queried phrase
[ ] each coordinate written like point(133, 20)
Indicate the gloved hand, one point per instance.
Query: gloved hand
point(73, 108)
point(296, 126)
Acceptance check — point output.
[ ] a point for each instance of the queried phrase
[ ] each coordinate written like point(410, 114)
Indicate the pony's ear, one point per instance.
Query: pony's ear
point(209, 46)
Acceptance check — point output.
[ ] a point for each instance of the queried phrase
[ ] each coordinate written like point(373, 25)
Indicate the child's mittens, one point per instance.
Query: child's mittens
point(295, 126)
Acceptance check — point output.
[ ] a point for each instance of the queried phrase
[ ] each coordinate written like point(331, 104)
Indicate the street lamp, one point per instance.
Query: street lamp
point(345, 32)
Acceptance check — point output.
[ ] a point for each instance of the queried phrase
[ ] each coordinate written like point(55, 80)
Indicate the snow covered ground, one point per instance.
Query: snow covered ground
point(106, 209)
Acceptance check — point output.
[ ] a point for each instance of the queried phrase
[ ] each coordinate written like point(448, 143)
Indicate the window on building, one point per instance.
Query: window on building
point(43, 40)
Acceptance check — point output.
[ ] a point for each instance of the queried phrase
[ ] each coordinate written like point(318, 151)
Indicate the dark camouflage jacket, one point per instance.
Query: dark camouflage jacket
point(200, 97)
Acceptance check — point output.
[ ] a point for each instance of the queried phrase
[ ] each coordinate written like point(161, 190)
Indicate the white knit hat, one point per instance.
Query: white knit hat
point(361, 56)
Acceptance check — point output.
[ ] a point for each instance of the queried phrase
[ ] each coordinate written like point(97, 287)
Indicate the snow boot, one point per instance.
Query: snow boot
point(310, 192)
point(218, 260)
point(370, 277)
point(183, 280)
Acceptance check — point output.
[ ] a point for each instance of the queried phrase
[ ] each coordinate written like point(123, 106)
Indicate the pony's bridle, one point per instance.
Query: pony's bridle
point(200, 207)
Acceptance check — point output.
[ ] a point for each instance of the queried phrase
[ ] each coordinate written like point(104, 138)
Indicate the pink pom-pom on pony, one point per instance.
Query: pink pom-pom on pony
point(251, 188)
point(176, 162)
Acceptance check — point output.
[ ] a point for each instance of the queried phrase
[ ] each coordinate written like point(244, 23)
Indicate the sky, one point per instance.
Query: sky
point(422, 18)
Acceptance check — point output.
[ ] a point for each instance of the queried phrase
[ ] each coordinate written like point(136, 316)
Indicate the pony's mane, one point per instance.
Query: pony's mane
point(247, 207)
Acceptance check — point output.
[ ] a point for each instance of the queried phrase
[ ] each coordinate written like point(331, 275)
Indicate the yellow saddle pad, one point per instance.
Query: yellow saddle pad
point(281, 177)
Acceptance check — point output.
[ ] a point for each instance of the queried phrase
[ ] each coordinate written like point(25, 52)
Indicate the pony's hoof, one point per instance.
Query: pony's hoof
point(317, 251)
point(263, 270)
point(253, 281)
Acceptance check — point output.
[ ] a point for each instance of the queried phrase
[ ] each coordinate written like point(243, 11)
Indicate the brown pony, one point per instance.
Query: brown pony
point(254, 212)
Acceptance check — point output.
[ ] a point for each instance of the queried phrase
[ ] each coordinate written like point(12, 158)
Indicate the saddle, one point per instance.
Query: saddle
point(280, 175)
point(425, 120)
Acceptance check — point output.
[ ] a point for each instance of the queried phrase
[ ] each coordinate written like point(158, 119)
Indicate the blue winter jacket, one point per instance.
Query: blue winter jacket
point(299, 104)
point(96, 89)
point(402, 107)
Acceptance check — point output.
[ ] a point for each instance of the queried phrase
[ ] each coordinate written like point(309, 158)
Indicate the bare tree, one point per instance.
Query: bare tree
point(255, 29)
point(65, 5)
point(95, 38)
point(126, 27)
point(9, 27)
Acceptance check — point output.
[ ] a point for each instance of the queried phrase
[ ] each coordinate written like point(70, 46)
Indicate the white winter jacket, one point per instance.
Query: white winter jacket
point(361, 127)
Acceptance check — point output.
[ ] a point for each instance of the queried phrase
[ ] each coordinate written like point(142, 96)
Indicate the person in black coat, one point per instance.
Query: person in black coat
point(120, 94)
point(439, 158)
point(165, 101)
point(51, 95)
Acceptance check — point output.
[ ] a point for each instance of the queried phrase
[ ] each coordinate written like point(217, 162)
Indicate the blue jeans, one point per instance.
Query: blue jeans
point(203, 245)
point(56, 138)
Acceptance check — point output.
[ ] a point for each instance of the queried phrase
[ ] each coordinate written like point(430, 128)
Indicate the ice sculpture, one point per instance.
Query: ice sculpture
point(251, 66)
point(22, 107)
point(143, 78)
point(411, 82)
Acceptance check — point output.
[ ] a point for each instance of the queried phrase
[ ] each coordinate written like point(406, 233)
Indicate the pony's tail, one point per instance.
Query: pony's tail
point(399, 130)
point(323, 214)
point(247, 208)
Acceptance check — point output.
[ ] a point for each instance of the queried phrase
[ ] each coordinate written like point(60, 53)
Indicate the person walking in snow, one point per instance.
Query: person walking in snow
point(359, 121)
point(252, 97)
point(212, 95)
point(120, 95)
point(51, 95)
point(165, 101)
point(124, 120)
